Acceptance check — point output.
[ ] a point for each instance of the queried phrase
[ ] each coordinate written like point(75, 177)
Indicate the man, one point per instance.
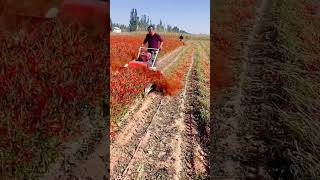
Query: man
point(181, 37)
point(153, 39)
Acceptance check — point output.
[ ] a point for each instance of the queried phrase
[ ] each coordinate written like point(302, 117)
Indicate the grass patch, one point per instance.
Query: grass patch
point(300, 90)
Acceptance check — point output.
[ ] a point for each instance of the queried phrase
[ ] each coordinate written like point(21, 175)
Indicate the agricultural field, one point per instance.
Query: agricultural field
point(266, 90)
point(124, 48)
point(128, 85)
point(52, 89)
point(161, 125)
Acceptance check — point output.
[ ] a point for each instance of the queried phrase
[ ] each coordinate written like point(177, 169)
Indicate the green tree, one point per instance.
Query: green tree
point(169, 28)
point(160, 26)
point(143, 22)
point(136, 24)
point(111, 27)
point(175, 29)
point(148, 21)
point(134, 20)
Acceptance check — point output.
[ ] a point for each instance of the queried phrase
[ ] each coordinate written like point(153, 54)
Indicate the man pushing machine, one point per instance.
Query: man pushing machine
point(153, 39)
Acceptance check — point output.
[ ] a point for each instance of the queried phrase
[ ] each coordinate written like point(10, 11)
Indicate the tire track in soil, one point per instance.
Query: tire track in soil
point(252, 162)
point(239, 150)
point(160, 149)
point(260, 119)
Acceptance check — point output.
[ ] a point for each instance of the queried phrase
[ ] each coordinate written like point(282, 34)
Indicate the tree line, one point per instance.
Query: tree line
point(141, 23)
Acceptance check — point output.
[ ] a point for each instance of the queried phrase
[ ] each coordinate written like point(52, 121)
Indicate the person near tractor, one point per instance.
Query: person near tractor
point(181, 37)
point(153, 39)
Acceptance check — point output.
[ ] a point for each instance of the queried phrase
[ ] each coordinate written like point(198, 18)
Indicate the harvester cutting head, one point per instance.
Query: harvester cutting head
point(146, 59)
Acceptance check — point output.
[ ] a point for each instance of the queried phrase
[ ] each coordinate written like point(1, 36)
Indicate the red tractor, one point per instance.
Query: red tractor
point(145, 59)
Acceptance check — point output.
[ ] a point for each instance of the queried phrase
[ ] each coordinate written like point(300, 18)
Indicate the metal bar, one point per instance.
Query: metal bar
point(155, 58)
point(139, 52)
point(149, 48)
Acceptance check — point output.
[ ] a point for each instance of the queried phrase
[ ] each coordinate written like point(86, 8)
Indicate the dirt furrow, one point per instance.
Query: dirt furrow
point(237, 141)
point(257, 112)
point(197, 130)
point(172, 61)
point(156, 156)
point(123, 148)
point(165, 60)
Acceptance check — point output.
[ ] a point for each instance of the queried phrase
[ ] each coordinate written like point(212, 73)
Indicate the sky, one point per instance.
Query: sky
point(192, 16)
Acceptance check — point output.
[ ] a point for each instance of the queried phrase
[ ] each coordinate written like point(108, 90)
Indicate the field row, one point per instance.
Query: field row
point(202, 64)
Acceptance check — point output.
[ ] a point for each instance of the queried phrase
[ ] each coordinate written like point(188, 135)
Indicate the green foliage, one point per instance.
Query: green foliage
point(300, 89)
point(134, 20)
point(141, 24)
point(111, 27)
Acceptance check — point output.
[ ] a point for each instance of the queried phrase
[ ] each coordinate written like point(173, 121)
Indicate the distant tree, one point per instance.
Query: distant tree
point(175, 29)
point(123, 27)
point(140, 23)
point(111, 27)
point(160, 26)
point(143, 23)
point(169, 28)
point(131, 22)
point(148, 21)
point(137, 23)
point(134, 20)
point(183, 32)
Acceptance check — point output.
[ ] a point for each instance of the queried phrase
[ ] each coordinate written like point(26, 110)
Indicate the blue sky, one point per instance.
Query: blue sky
point(190, 15)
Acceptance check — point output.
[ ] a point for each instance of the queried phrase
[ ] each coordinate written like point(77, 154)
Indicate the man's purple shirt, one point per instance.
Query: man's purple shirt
point(153, 41)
